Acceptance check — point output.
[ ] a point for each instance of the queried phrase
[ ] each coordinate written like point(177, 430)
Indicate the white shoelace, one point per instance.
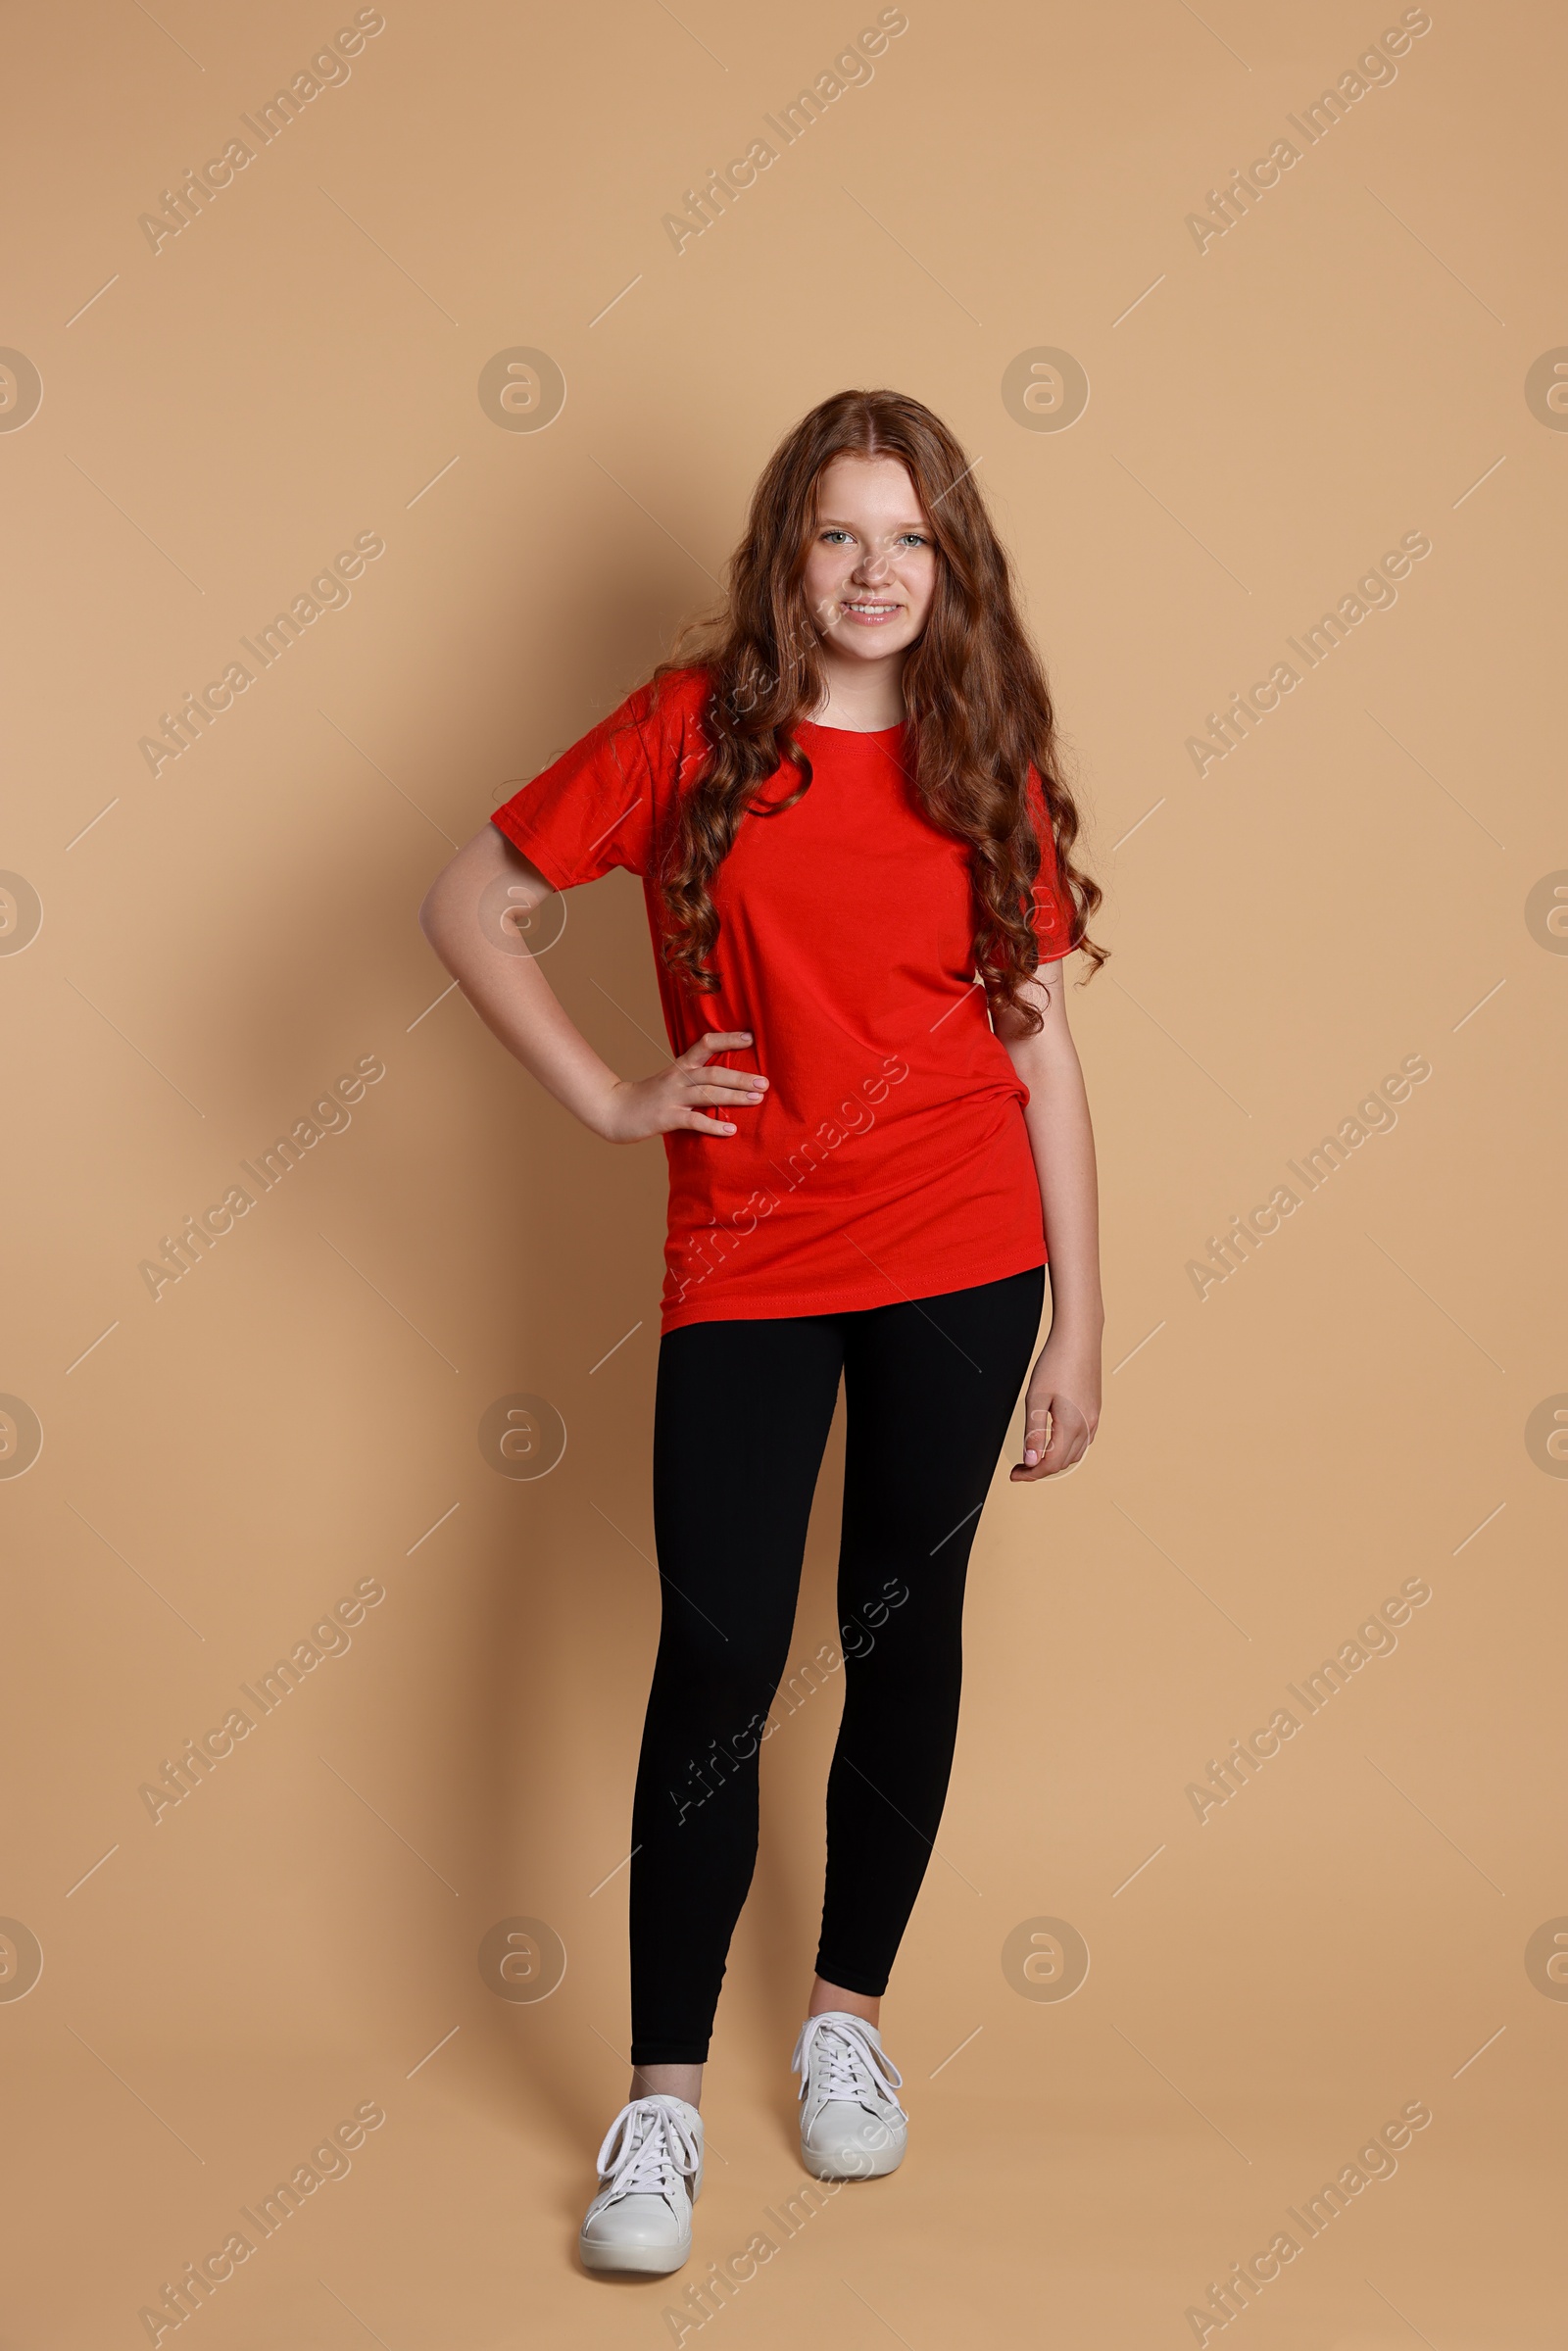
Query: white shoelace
point(854, 2066)
point(658, 2150)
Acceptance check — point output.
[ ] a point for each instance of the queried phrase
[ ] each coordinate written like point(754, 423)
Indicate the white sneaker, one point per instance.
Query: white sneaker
point(651, 2170)
point(851, 2126)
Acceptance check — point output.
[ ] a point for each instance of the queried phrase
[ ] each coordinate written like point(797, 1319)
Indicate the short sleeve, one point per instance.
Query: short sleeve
point(595, 806)
point(1053, 907)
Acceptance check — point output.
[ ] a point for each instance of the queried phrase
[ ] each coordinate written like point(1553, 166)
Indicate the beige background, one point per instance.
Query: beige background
point(1350, 887)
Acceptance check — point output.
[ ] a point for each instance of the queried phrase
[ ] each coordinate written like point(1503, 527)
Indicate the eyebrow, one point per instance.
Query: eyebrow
point(837, 523)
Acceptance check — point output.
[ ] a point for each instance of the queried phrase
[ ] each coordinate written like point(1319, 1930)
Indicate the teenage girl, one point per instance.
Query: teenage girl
point(854, 843)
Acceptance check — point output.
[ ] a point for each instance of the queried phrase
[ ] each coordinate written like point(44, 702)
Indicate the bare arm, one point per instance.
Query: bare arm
point(512, 996)
point(1063, 1391)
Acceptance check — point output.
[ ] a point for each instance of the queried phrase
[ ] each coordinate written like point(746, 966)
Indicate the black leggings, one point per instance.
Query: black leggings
point(741, 1419)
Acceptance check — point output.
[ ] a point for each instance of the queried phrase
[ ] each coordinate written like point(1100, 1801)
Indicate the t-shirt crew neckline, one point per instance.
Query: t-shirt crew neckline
point(870, 733)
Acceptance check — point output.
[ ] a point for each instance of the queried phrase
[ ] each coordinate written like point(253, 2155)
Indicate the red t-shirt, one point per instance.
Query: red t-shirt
point(889, 1158)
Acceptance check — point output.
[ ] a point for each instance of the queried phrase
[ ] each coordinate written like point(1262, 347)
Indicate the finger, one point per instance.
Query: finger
point(715, 1041)
point(1069, 1434)
point(717, 1085)
point(1035, 1434)
point(709, 1089)
point(1064, 1447)
point(700, 1124)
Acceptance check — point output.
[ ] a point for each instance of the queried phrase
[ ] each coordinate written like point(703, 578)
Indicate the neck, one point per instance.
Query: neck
point(861, 696)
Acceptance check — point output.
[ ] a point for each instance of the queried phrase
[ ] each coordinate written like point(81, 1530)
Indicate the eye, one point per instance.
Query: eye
point(833, 532)
point(917, 538)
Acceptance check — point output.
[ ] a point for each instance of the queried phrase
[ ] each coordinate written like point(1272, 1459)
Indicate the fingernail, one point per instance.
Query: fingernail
point(1030, 1458)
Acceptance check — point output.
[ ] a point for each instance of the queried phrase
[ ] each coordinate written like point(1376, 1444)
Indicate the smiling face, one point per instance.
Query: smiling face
point(871, 571)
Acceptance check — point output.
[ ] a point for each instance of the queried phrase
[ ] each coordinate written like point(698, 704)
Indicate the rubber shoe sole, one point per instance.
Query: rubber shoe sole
point(647, 2261)
point(880, 2152)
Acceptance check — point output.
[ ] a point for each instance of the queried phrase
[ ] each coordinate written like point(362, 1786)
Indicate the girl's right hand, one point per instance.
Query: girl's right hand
point(637, 1107)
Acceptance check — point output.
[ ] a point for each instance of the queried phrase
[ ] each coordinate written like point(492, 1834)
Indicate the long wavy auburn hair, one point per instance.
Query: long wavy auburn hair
point(978, 707)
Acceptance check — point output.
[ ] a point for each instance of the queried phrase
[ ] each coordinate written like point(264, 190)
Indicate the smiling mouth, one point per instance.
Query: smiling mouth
point(869, 612)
